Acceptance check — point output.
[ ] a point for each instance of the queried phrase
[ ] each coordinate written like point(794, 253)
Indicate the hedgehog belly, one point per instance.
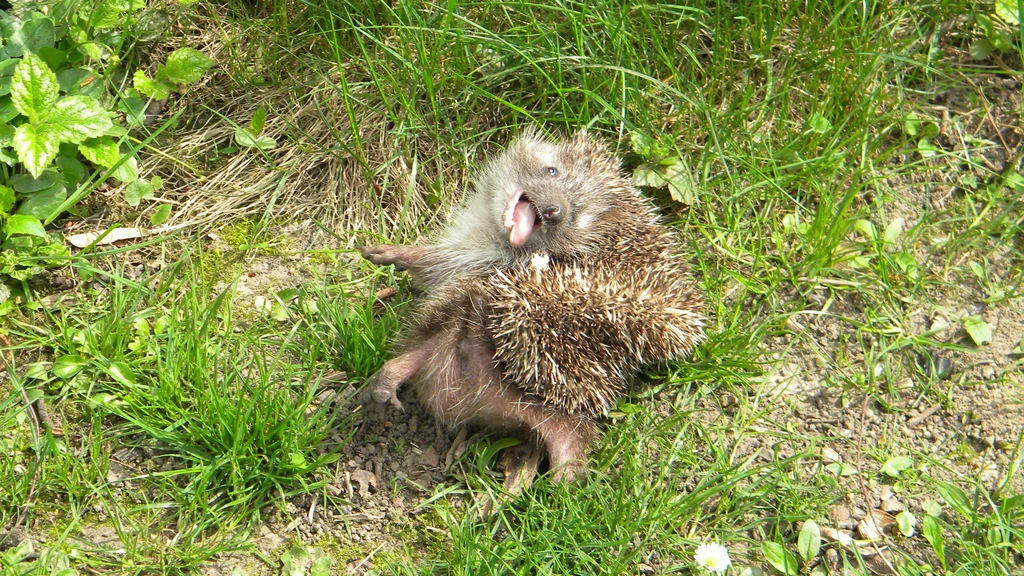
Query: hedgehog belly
point(574, 334)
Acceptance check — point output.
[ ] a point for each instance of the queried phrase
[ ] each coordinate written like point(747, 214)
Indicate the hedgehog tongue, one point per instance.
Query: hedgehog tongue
point(520, 218)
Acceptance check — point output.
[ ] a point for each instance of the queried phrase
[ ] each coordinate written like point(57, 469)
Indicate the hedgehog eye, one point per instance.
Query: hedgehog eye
point(552, 171)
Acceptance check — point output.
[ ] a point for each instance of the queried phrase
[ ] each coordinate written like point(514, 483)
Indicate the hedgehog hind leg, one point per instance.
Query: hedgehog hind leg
point(383, 386)
point(567, 441)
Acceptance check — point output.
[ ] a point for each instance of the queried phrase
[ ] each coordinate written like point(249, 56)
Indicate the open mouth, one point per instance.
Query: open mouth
point(521, 219)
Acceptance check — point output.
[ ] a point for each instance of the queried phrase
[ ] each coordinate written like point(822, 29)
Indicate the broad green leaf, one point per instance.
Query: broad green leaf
point(682, 186)
point(27, 184)
point(1019, 349)
point(44, 203)
point(137, 191)
point(184, 66)
point(33, 88)
point(102, 151)
point(80, 82)
point(68, 366)
point(160, 215)
point(841, 468)
point(809, 540)
point(6, 135)
point(127, 172)
point(153, 88)
point(102, 16)
point(818, 123)
point(76, 118)
point(978, 330)
point(906, 522)
point(122, 373)
point(157, 182)
point(647, 175)
point(1008, 11)
point(31, 36)
point(72, 171)
point(6, 199)
point(893, 466)
point(21, 224)
point(782, 559)
point(36, 147)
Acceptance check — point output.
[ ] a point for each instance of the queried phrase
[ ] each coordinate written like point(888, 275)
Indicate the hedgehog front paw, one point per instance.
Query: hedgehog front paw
point(381, 254)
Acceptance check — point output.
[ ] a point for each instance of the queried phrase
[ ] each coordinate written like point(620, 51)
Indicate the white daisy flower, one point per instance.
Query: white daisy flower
point(713, 557)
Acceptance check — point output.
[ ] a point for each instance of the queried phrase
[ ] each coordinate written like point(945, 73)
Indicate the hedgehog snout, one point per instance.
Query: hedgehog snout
point(552, 214)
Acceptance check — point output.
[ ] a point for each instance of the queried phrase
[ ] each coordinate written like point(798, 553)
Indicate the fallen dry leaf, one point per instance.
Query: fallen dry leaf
point(115, 235)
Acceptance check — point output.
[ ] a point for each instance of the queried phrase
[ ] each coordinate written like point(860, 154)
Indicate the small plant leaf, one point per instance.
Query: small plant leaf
point(866, 228)
point(955, 498)
point(6, 199)
point(932, 532)
point(910, 123)
point(36, 147)
point(22, 224)
point(33, 88)
point(76, 118)
point(809, 541)
point(184, 66)
point(259, 119)
point(819, 124)
point(128, 171)
point(102, 151)
point(138, 190)
point(160, 215)
point(906, 523)
point(841, 469)
point(780, 558)
point(981, 49)
point(68, 366)
point(926, 149)
point(153, 88)
point(245, 139)
point(893, 231)
point(1019, 349)
point(979, 330)
point(893, 466)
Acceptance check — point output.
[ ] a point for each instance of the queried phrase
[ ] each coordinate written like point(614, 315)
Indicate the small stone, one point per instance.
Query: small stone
point(365, 482)
point(830, 455)
point(429, 458)
point(885, 492)
point(892, 505)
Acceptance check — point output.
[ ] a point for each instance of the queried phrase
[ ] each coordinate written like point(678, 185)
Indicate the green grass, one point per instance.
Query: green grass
point(816, 230)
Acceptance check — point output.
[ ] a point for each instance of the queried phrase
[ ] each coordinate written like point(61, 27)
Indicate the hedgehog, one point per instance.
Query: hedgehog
point(548, 289)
